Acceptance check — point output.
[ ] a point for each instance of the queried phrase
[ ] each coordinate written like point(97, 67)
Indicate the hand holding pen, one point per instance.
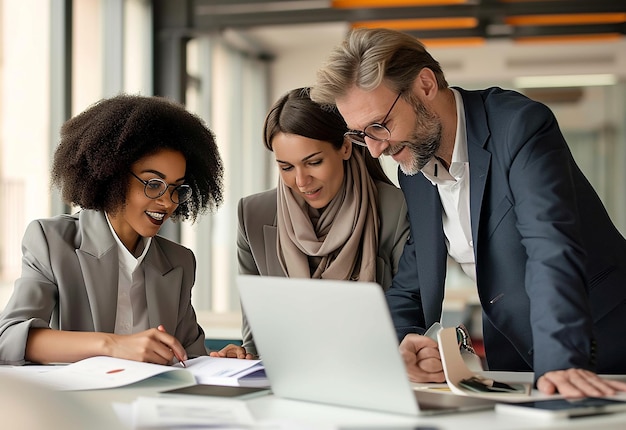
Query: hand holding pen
point(181, 357)
point(154, 345)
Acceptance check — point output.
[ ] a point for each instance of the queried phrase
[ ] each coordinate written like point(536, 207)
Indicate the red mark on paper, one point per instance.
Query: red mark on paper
point(115, 371)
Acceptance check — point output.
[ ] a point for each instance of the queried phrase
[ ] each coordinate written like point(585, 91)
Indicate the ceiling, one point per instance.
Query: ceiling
point(453, 22)
point(589, 37)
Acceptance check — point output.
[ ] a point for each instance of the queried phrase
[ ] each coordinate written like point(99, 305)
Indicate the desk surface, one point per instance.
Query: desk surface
point(314, 416)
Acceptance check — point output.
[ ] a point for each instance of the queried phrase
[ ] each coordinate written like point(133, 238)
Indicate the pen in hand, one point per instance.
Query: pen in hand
point(180, 359)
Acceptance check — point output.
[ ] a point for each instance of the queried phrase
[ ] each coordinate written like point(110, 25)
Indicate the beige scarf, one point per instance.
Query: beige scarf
point(338, 242)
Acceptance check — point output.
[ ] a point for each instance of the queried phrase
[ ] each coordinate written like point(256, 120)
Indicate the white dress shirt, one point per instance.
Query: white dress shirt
point(454, 191)
point(132, 308)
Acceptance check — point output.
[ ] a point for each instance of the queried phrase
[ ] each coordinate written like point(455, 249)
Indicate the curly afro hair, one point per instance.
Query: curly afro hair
point(93, 159)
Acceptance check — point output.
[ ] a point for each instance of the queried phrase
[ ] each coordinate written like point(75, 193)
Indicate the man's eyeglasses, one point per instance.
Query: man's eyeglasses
point(375, 131)
point(155, 188)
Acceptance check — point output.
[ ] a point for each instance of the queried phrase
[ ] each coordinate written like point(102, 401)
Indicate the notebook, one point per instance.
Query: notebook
point(333, 342)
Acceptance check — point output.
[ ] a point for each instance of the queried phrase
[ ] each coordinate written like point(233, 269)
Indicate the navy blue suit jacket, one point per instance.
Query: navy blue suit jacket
point(550, 265)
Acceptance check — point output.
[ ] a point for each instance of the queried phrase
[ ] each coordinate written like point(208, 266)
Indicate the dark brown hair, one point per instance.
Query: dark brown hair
point(296, 113)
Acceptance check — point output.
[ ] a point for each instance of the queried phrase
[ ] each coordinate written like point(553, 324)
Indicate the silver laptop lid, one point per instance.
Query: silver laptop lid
point(327, 341)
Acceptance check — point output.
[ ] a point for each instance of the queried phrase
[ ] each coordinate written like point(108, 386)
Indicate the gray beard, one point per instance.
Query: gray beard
point(424, 142)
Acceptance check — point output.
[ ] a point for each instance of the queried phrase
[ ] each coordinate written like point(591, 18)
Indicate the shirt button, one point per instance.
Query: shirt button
point(471, 243)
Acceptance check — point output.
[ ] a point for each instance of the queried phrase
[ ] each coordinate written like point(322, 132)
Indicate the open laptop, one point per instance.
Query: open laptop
point(333, 342)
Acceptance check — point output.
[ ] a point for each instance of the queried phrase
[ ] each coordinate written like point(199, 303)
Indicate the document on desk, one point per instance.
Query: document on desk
point(228, 371)
point(108, 372)
point(153, 413)
point(167, 413)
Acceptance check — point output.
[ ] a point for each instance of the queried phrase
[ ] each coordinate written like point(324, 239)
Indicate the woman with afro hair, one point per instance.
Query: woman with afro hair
point(101, 282)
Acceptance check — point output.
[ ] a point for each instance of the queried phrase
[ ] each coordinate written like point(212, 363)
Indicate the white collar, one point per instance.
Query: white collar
point(126, 258)
point(434, 170)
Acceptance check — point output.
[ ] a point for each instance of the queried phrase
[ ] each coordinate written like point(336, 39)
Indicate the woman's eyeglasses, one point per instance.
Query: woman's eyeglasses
point(376, 131)
point(155, 188)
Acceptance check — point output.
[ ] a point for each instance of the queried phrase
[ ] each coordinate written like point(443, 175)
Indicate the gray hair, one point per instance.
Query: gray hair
point(367, 57)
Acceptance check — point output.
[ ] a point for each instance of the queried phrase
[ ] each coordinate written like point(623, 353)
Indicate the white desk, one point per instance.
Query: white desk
point(324, 417)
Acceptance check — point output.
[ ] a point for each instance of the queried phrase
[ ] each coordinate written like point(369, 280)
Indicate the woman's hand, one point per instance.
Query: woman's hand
point(152, 346)
point(233, 351)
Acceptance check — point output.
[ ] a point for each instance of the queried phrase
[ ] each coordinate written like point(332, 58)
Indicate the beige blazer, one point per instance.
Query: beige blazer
point(257, 238)
point(69, 282)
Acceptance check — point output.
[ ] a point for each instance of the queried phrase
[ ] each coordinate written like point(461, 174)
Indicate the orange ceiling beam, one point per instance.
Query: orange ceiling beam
point(349, 4)
point(453, 42)
point(420, 23)
point(567, 19)
point(471, 22)
point(578, 38)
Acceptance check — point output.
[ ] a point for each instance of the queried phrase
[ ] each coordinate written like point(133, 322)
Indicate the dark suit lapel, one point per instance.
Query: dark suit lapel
point(425, 212)
point(479, 159)
point(98, 260)
point(163, 284)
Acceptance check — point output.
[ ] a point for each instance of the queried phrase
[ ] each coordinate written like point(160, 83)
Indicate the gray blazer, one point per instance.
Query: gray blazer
point(257, 238)
point(69, 282)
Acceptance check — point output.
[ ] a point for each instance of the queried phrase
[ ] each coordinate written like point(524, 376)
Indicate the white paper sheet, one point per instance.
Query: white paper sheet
point(107, 372)
point(168, 412)
point(228, 371)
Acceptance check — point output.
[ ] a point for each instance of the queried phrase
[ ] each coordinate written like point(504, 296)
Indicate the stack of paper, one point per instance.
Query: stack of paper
point(107, 372)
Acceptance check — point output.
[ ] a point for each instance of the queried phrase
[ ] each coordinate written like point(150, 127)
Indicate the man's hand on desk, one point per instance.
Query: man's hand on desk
point(421, 358)
point(574, 383)
point(233, 351)
point(423, 363)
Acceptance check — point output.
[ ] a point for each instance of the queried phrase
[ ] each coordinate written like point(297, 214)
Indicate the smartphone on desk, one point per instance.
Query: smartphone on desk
point(565, 408)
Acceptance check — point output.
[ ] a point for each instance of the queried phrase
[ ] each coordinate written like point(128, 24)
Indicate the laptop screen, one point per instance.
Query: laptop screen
point(331, 342)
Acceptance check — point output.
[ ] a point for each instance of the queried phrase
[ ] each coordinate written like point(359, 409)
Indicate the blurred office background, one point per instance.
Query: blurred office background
point(228, 60)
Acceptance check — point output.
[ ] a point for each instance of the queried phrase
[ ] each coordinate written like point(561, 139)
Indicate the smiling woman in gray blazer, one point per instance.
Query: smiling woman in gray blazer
point(334, 214)
point(101, 282)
